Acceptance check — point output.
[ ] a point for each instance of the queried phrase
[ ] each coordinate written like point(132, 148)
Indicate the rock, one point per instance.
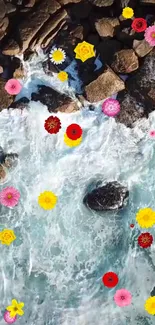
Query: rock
point(30, 3)
point(125, 61)
point(2, 156)
point(5, 98)
point(106, 26)
point(106, 85)
point(11, 160)
point(112, 196)
point(149, 2)
point(11, 47)
point(20, 104)
point(3, 26)
point(2, 9)
point(81, 10)
point(151, 93)
point(131, 110)
point(102, 3)
point(54, 100)
point(2, 174)
point(19, 73)
point(77, 33)
point(47, 40)
point(10, 8)
point(142, 48)
point(1, 69)
point(107, 50)
point(65, 2)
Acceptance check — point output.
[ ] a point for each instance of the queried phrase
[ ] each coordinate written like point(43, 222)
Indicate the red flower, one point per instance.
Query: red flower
point(52, 125)
point(145, 240)
point(132, 225)
point(139, 25)
point(74, 131)
point(110, 279)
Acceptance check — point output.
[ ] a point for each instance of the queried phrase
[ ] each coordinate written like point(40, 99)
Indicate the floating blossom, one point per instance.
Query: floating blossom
point(122, 298)
point(13, 87)
point(139, 25)
point(132, 225)
point(111, 107)
point(150, 35)
point(8, 319)
point(57, 56)
point(72, 143)
point(110, 279)
point(152, 133)
point(145, 218)
point(74, 131)
point(145, 240)
point(15, 308)
point(52, 124)
point(47, 200)
point(84, 51)
point(62, 76)
point(7, 236)
point(127, 12)
point(9, 197)
point(150, 305)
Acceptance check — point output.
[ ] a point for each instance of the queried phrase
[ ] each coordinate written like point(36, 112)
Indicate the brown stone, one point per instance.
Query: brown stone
point(2, 9)
point(147, 2)
point(30, 4)
point(77, 32)
point(106, 26)
point(2, 174)
point(106, 85)
point(142, 48)
point(51, 35)
point(5, 98)
point(11, 47)
point(3, 26)
point(1, 69)
point(125, 61)
point(19, 73)
point(102, 3)
point(65, 2)
point(10, 8)
point(151, 93)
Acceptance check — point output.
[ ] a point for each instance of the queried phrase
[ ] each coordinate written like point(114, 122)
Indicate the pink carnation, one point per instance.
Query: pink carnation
point(13, 87)
point(8, 319)
point(122, 298)
point(9, 197)
point(152, 133)
point(150, 35)
point(111, 107)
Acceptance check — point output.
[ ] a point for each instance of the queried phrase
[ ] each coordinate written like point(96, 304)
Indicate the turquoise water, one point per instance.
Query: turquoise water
point(56, 264)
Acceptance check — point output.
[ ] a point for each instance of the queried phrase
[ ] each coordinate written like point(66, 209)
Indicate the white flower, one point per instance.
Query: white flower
point(57, 55)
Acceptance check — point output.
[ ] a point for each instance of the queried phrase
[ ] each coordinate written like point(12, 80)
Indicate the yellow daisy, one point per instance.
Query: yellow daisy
point(150, 305)
point(127, 12)
point(145, 218)
point(57, 56)
point(62, 76)
point(47, 200)
point(72, 143)
point(15, 308)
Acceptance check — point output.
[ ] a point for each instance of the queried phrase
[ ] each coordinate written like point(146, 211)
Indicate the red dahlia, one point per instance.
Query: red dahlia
point(139, 25)
point(132, 225)
point(110, 279)
point(145, 240)
point(52, 125)
point(74, 131)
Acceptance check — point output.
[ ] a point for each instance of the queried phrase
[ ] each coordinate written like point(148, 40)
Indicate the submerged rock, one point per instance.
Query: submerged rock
point(125, 61)
point(112, 196)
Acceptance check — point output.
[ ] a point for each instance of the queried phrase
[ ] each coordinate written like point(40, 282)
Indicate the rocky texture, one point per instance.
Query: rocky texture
point(112, 196)
point(147, 2)
point(102, 3)
point(125, 61)
point(106, 26)
point(2, 9)
point(20, 104)
point(142, 48)
point(5, 98)
point(2, 174)
point(54, 100)
point(3, 27)
point(106, 85)
point(65, 2)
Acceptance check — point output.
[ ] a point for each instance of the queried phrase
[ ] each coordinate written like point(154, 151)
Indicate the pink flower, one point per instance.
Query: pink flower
point(150, 35)
point(8, 319)
point(152, 133)
point(13, 87)
point(111, 107)
point(9, 197)
point(122, 298)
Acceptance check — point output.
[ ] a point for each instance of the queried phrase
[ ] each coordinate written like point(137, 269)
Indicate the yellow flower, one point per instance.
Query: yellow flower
point(127, 12)
point(63, 76)
point(57, 56)
point(47, 200)
point(84, 51)
point(16, 308)
point(7, 236)
point(150, 305)
point(145, 218)
point(72, 143)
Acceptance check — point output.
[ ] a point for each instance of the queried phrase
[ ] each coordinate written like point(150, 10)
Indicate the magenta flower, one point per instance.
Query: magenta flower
point(8, 319)
point(150, 35)
point(122, 298)
point(111, 107)
point(152, 133)
point(13, 87)
point(9, 197)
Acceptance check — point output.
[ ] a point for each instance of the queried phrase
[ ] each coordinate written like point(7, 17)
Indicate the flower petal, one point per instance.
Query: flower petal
point(14, 303)
point(20, 312)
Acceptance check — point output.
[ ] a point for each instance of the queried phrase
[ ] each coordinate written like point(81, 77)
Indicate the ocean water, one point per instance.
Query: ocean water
point(56, 264)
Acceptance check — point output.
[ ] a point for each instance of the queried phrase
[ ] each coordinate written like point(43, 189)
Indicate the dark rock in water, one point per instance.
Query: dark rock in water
point(54, 100)
point(125, 61)
point(21, 103)
point(112, 196)
point(107, 50)
point(2, 155)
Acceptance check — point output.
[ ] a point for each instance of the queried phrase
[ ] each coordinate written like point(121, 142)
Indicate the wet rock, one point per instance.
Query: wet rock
point(2, 156)
point(125, 61)
point(106, 85)
point(3, 27)
point(54, 100)
point(19, 73)
point(142, 48)
point(11, 47)
point(77, 33)
point(30, 3)
point(106, 26)
point(102, 3)
point(10, 8)
point(149, 2)
point(131, 110)
point(47, 40)
point(107, 50)
point(11, 160)
point(112, 196)
point(81, 10)
point(2, 174)
point(1, 69)
point(5, 98)
point(2, 9)
point(21, 103)
point(65, 2)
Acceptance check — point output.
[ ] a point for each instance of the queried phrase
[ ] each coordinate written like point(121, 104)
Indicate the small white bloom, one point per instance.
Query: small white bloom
point(57, 55)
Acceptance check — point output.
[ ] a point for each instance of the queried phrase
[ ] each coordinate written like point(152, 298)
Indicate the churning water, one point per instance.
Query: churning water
point(56, 264)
